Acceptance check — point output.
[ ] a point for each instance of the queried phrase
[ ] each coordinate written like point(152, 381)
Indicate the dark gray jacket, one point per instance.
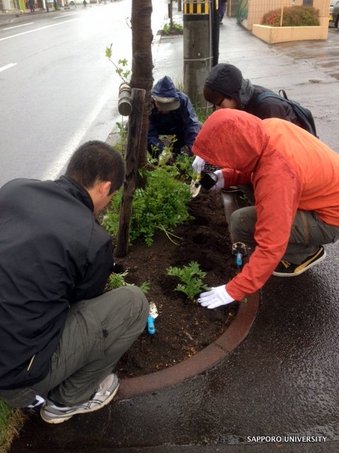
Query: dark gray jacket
point(269, 108)
point(53, 253)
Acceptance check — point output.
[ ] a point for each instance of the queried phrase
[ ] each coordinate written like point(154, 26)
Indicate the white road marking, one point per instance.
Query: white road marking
point(17, 26)
point(59, 163)
point(7, 66)
point(38, 29)
point(64, 15)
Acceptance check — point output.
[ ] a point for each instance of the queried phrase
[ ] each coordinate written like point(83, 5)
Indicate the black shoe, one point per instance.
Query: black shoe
point(287, 269)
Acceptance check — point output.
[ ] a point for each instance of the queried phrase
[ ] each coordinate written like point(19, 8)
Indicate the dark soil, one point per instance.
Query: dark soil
point(182, 328)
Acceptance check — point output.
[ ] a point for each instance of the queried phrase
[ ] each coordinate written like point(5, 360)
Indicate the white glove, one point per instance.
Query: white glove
point(220, 181)
point(198, 164)
point(216, 297)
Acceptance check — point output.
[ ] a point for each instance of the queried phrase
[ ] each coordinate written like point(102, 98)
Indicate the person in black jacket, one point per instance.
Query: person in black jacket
point(222, 10)
point(225, 87)
point(61, 335)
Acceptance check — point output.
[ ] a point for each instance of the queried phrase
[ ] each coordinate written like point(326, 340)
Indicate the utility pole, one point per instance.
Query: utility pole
point(201, 47)
point(170, 12)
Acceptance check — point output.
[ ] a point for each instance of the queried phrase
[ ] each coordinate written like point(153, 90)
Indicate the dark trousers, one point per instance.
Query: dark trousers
point(307, 234)
point(96, 334)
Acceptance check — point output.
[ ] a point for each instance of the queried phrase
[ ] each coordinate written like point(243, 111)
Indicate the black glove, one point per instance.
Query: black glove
point(118, 268)
point(211, 181)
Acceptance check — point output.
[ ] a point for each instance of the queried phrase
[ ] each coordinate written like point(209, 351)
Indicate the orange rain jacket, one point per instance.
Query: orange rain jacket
point(289, 168)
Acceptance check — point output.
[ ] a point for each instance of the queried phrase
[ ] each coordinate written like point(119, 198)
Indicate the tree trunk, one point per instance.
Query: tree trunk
point(142, 64)
point(132, 154)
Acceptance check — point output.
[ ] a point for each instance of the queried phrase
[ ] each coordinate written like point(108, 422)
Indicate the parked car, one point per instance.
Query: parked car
point(331, 17)
point(331, 7)
point(335, 13)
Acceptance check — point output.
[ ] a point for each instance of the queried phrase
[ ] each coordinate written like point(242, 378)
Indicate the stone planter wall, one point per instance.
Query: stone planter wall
point(257, 9)
point(274, 35)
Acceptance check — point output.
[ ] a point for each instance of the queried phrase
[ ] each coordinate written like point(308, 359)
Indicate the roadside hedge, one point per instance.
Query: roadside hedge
point(293, 16)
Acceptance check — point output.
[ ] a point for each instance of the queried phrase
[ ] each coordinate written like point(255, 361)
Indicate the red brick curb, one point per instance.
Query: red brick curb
point(202, 361)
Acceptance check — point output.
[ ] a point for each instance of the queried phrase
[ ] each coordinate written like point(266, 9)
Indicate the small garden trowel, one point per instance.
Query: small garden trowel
point(195, 185)
point(240, 250)
point(153, 313)
point(207, 181)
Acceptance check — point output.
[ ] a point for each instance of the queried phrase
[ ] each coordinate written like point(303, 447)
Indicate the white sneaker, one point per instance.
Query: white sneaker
point(37, 402)
point(52, 413)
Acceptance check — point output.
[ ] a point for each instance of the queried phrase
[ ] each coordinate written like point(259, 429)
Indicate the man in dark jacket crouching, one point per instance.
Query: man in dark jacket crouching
point(60, 334)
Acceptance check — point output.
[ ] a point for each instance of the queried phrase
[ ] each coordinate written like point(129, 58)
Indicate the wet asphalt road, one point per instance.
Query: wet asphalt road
point(57, 87)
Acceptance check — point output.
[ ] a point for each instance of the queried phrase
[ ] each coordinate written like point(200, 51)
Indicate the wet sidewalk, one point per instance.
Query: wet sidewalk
point(278, 390)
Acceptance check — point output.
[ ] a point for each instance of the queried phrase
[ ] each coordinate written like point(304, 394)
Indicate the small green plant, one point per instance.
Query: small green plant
point(172, 29)
point(191, 277)
point(121, 143)
point(117, 280)
point(182, 161)
point(145, 287)
point(166, 155)
point(121, 67)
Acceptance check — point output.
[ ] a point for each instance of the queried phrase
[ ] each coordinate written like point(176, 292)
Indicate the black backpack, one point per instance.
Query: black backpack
point(305, 117)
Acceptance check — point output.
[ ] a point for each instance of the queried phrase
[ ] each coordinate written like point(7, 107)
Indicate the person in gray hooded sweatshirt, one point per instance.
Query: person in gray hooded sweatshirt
point(225, 87)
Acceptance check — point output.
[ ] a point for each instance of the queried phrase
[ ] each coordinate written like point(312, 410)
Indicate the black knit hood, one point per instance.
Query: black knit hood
point(226, 80)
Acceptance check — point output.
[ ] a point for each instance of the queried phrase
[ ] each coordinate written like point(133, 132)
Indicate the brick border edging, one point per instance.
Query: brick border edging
point(202, 361)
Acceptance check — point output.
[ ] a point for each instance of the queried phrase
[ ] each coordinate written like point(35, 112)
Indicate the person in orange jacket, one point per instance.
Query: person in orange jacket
point(296, 188)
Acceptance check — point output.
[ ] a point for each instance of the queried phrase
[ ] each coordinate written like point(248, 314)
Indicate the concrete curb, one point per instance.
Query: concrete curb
point(200, 362)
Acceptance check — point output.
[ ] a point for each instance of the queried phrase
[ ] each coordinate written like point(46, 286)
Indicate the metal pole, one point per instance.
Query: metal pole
point(170, 12)
point(215, 27)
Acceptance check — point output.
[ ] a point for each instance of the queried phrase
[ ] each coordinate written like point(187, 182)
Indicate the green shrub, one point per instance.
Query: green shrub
point(161, 205)
point(116, 280)
point(293, 16)
point(183, 163)
point(172, 29)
